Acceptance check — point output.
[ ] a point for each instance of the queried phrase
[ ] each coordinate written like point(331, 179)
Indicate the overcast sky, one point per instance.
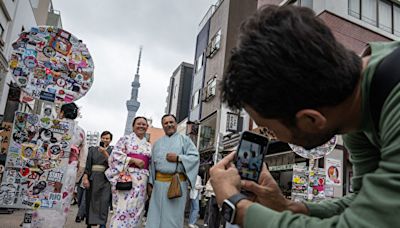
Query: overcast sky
point(113, 30)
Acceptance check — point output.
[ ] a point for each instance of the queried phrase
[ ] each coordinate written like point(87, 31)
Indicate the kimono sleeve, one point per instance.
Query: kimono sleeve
point(117, 161)
point(190, 160)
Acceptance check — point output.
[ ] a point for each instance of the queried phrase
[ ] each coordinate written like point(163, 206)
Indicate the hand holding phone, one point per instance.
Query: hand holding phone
point(250, 155)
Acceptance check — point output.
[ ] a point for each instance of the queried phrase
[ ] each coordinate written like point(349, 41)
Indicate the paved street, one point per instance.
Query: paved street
point(14, 219)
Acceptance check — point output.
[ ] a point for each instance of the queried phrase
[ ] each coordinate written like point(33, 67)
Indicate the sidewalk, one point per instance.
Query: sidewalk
point(14, 220)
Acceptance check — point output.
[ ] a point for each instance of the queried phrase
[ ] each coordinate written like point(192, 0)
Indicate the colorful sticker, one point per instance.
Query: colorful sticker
point(51, 64)
point(36, 161)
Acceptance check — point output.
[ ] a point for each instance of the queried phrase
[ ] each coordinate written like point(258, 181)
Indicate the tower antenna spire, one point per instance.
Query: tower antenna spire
point(140, 56)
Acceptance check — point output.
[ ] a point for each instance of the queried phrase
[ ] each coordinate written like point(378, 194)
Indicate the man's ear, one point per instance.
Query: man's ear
point(310, 120)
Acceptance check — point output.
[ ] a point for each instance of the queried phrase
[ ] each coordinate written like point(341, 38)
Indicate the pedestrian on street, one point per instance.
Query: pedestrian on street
point(291, 75)
point(195, 197)
point(81, 200)
point(212, 218)
point(96, 184)
point(131, 156)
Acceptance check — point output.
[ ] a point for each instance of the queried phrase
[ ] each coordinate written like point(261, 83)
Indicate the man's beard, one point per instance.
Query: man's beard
point(169, 130)
point(311, 140)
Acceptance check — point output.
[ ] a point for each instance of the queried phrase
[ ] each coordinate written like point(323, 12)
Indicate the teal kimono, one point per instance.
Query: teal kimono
point(164, 212)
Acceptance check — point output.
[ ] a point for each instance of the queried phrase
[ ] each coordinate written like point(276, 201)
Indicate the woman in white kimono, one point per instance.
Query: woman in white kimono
point(45, 218)
point(132, 153)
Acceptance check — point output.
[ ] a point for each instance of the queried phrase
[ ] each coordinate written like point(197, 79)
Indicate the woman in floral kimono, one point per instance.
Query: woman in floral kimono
point(132, 153)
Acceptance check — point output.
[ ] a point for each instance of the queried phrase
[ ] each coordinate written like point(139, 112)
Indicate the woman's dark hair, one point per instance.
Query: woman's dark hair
point(286, 60)
point(139, 117)
point(70, 110)
point(166, 115)
point(106, 133)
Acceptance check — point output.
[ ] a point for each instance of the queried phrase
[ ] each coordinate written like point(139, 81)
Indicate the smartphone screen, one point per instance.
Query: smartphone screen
point(250, 155)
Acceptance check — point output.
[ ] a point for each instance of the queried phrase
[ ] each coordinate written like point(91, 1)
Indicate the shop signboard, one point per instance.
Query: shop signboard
point(232, 122)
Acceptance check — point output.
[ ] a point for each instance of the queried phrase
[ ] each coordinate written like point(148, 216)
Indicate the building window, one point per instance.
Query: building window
point(196, 99)
point(199, 62)
point(175, 90)
point(214, 45)
point(211, 87)
point(209, 90)
point(304, 3)
point(1, 31)
point(383, 14)
point(354, 8)
point(368, 11)
point(396, 20)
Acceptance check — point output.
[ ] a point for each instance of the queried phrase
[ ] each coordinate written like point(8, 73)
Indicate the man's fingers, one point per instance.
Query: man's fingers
point(252, 187)
point(264, 168)
point(225, 162)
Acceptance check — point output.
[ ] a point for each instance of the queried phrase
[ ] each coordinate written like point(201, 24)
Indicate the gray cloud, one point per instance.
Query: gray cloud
point(113, 30)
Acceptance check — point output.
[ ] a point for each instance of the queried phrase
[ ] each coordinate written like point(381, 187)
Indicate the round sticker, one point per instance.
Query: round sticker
point(59, 68)
point(33, 119)
point(30, 62)
point(49, 52)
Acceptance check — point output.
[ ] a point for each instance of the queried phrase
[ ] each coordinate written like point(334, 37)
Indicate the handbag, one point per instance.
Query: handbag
point(124, 182)
point(175, 190)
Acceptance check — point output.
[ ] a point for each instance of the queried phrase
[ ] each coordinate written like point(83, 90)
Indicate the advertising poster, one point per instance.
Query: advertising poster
point(37, 157)
point(5, 134)
point(299, 183)
point(52, 65)
point(333, 169)
point(317, 185)
point(308, 185)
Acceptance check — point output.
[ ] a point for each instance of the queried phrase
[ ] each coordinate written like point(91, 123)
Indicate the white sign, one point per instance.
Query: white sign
point(281, 167)
point(333, 171)
point(232, 121)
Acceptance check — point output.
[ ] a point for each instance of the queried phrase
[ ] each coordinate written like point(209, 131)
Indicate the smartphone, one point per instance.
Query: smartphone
point(250, 155)
point(102, 144)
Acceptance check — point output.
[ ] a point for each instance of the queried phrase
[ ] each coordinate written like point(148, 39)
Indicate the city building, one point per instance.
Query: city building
point(209, 119)
point(45, 13)
point(179, 88)
point(92, 138)
point(153, 133)
point(133, 104)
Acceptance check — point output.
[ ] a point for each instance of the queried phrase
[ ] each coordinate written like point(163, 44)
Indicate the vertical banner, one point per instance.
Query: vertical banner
point(5, 134)
point(299, 183)
point(333, 169)
point(317, 185)
point(36, 162)
point(305, 183)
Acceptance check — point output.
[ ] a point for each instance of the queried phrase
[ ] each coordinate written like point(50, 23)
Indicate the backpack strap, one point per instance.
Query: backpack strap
point(386, 77)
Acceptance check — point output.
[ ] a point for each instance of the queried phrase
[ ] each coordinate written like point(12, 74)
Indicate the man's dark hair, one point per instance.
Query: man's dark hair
point(138, 117)
point(286, 60)
point(166, 115)
point(70, 110)
point(106, 133)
